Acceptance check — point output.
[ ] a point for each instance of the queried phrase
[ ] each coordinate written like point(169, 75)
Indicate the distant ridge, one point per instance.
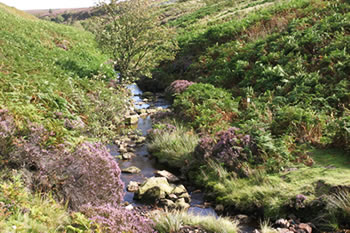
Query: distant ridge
point(59, 11)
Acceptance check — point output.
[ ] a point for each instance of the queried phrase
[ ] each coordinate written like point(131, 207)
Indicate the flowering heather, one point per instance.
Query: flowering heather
point(204, 148)
point(7, 128)
point(87, 175)
point(231, 148)
point(6, 124)
point(178, 86)
point(115, 219)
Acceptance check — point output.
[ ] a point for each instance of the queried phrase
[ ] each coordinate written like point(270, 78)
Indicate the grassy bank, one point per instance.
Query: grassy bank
point(52, 75)
point(56, 93)
point(278, 99)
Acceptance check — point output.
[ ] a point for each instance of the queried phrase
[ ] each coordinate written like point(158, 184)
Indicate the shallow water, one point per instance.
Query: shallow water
point(149, 165)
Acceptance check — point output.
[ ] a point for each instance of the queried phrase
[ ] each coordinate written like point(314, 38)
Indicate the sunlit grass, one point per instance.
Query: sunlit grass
point(173, 221)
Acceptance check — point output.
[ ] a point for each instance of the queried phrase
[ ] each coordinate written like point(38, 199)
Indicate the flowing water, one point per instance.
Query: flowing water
point(149, 165)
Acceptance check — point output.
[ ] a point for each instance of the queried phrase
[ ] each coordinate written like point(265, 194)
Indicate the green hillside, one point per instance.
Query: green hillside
point(54, 93)
point(52, 73)
point(270, 104)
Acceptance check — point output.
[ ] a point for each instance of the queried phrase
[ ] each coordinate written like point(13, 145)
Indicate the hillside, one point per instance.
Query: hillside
point(259, 116)
point(268, 98)
point(48, 68)
point(57, 105)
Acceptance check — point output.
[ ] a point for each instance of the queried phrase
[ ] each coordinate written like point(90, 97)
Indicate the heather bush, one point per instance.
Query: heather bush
point(115, 219)
point(88, 174)
point(7, 129)
point(235, 150)
point(177, 87)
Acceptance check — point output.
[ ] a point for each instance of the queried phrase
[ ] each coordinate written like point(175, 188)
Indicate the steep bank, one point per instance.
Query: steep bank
point(58, 103)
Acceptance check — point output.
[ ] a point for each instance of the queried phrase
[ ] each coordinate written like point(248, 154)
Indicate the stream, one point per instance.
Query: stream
point(147, 164)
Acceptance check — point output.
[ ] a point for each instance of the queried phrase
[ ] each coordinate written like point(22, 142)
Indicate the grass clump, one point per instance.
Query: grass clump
point(169, 222)
point(172, 144)
point(265, 227)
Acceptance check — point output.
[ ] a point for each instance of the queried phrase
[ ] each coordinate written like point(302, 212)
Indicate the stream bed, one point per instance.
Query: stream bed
point(149, 165)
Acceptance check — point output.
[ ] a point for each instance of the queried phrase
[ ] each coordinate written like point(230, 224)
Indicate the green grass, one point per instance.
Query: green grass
point(273, 193)
point(173, 221)
point(173, 146)
point(46, 68)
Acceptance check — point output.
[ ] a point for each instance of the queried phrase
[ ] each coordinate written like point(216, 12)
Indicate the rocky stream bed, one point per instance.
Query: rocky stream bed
point(151, 186)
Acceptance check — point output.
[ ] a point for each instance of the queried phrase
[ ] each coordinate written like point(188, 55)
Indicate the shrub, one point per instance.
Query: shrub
point(177, 87)
point(303, 125)
point(236, 151)
point(208, 108)
point(85, 175)
point(117, 219)
point(342, 133)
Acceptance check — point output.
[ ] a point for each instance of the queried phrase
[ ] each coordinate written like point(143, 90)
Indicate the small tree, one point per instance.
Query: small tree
point(131, 32)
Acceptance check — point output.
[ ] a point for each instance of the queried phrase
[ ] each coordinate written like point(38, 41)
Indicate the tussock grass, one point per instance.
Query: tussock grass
point(174, 147)
point(265, 227)
point(173, 221)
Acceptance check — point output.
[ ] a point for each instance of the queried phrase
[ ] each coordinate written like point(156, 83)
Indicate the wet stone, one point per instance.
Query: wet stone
point(169, 176)
point(128, 156)
point(132, 170)
point(133, 186)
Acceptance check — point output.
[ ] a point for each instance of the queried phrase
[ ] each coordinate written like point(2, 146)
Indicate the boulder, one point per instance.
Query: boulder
point(284, 230)
point(122, 148)
point(166, 203)
point(181, 204)
point(219, 208)
point(128, 155)
point(129, 207)
point(133, 186)
point(140, 140)
point(132, 170)
point(147, 95)
point(242, 218)
point(151, 110)
point(178, 190)
point(283, 223)
point(154, 189)
point(186, 196)
point(158, 190)
point(303, 227)
point(141, 111)
point(169, 176)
